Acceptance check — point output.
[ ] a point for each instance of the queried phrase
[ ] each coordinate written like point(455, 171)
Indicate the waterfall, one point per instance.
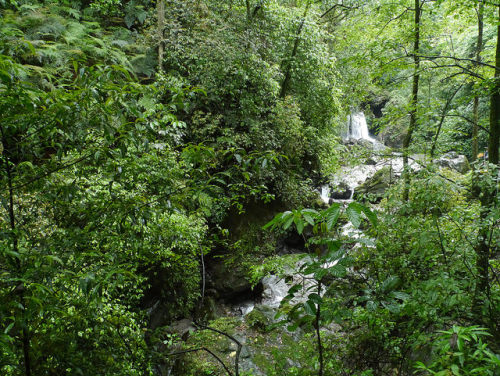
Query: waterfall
point(325, 193)
point(357, 127)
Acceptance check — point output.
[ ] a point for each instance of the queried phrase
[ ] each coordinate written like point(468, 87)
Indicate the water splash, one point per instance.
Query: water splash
point(357, 127)
point(325, 194)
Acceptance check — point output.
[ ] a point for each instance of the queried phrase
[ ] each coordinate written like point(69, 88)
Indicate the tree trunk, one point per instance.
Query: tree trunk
point(161, 27)
point(289, 62)
point(479, 49)
point(249, 12)
point(443, 117)
point(318, 333)
point(25, 337)
point(495, 105)
point(487, 196)
point(413, 101)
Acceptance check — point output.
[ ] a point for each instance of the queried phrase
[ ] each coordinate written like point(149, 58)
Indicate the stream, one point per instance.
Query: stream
point(276, 288)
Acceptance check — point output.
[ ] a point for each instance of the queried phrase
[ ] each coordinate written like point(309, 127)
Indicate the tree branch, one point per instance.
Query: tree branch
point(208, 351)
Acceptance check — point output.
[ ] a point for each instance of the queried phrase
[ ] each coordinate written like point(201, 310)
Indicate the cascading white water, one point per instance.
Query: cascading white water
point(325, 193)
point(357, 127)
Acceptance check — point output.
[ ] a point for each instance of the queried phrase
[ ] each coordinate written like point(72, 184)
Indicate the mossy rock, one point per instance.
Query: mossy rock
point(257, 320)
point(374, 188)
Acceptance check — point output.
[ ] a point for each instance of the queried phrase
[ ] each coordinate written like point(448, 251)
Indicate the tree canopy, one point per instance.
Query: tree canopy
point(151, 149)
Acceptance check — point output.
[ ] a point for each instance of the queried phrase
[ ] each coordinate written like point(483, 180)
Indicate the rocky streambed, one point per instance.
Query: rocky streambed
point(249, 313)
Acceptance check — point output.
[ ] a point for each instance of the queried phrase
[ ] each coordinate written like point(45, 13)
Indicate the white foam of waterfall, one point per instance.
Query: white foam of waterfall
point(325, 193)
point(358, 128)
point(276, 288)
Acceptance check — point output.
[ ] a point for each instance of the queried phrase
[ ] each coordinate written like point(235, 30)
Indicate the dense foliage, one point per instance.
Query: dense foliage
point(146, 142)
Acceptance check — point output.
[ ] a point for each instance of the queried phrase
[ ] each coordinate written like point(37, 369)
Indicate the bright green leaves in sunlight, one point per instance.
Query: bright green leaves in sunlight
point(323, 221)
point(462, 351)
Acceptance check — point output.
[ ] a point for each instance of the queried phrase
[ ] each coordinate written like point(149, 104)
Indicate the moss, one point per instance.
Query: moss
point(257, 320)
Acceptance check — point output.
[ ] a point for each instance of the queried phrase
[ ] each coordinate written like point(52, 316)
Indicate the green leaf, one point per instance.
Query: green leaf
point(390, 284)
point(300, 225)
point(273, 222)
point(331, 215)
point(337, 271)
point(354, 213)
point(372, 217)
point(8, 328)
point(310, 307)
point(320, 273)
point(288, 222)
point(309, 219)
point(55, 258)
point(292, 290)
point(315, 298)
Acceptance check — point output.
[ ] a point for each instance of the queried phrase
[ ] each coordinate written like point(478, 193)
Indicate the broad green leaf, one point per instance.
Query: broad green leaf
point(292, 290)
point(288, 222)
point(400, 295)
point(315, 298)
point(309, 219)
point(310, 307)
point(371, 305)
point(277, 218)
point(390, 284)
point(372, 217)
point(353, 212)
point(331, 216)
point(300, 225)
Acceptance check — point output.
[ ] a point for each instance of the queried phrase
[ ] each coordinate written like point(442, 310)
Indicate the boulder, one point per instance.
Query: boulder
point(454, 161)
point(341, 192)
point(183, 328)
point(374, 188)
point(393, 136)
point(230, 283)
point(370, 162)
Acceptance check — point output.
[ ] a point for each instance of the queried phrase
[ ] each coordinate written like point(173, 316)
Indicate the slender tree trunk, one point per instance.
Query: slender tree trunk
point(479, 49)
point(413, 100)
point(288, 63)
point(25, 337)
point(318, 333)
point(441, 121)
point(487, 196)
point(495, 105)
point(249, 11)
point(161, 27)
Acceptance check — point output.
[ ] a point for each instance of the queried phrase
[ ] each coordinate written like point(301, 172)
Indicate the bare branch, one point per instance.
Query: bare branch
point(475, 61)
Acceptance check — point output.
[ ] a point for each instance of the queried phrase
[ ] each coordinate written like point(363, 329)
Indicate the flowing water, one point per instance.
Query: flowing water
point(357, 128)
point(276, 288)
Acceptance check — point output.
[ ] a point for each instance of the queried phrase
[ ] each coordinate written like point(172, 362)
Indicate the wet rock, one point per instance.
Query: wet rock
point(210, 310)
point(246, 308)
point(455, 162)
point(230, 283)
point(374, 188)
point(244, 354)
point(393, 136)
point(260, 318)
point(341, 192)
point(182, 327)
point(365, 143)
point(370, 162)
